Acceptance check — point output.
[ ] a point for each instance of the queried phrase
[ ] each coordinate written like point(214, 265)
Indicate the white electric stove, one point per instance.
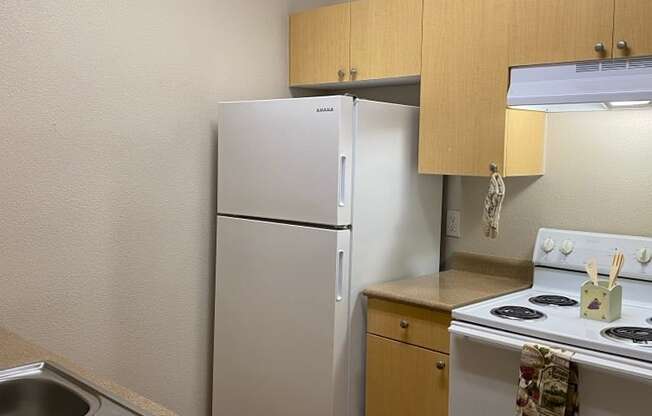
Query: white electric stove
point(615, 359)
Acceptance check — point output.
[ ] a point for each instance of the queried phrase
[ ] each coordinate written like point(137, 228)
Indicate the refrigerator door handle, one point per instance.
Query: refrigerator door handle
point(342, 188)
point(340, 275)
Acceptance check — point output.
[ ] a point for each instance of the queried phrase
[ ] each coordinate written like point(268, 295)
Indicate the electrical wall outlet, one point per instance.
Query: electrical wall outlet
point(453, 223)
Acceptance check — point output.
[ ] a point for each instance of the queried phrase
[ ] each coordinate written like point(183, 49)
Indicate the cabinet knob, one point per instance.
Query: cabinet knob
point(340, 73)
point(441, 365)
point(599, 47)
point(353, 72)
point(622, 44)
point(404, 324)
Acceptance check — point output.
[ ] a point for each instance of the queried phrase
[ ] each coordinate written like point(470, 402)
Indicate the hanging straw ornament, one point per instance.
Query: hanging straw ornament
point(493, 203)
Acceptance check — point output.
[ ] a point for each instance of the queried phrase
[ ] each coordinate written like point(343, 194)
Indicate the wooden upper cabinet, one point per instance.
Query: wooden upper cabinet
point(464, 123)
point(385, 38)
point(405, 380)
point(356, 41)
point(548, 31)
point(633, 26)
point(319, 45)
point(463, 86)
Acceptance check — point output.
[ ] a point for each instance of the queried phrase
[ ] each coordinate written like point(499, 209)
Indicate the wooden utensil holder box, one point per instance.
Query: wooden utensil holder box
point(599, 302)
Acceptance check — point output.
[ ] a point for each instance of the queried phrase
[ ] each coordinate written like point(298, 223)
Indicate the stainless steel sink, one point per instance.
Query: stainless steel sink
point(44, 389)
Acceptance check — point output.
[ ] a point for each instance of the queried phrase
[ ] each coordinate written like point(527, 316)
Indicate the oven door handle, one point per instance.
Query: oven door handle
point(608, 362)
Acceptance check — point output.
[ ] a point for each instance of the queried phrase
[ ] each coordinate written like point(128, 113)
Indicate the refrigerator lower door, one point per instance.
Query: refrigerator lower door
point(280, 319)
point(288, 159)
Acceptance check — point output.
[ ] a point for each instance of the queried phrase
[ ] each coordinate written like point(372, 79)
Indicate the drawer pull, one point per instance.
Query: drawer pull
point(441, 365)
point(404, 324)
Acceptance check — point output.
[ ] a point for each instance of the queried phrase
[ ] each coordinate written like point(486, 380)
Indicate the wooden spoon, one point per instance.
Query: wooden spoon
point(592, 270)
point(616, 265)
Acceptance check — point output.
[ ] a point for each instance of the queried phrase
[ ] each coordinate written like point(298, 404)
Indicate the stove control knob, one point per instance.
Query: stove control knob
point(567, 247)
point(548, 245)
point(644, 255)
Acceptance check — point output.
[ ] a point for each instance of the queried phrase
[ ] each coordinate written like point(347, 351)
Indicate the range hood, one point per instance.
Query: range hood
point(582, 86)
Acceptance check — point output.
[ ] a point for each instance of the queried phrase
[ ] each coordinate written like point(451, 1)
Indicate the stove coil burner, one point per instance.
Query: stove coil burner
point(517, 312)
point(554, 300)
point(630, 334)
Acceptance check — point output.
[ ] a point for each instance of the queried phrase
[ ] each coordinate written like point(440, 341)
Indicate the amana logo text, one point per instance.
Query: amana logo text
point(325, 109)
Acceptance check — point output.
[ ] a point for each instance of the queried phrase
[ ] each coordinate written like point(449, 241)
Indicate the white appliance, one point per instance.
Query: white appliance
point(614, 359)
point(317, 198)
point(582, 86)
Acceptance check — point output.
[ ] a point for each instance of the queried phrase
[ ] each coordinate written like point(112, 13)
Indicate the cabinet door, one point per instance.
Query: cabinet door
point(385, 38)
point(463, 86)
point(405, 380)
point(546, 31)
point(320, 45)
point(632, 26)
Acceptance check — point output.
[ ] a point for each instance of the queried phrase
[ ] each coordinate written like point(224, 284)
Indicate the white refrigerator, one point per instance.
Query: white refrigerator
point(317, 198)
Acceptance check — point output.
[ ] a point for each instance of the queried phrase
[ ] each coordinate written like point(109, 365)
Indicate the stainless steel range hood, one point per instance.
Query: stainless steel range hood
point(583, 86)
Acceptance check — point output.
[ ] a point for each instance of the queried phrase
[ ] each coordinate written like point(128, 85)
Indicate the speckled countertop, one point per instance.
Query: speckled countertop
point(15, 351)
point(472, 278)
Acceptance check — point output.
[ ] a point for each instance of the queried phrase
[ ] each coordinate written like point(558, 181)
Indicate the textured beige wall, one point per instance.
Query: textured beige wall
point(107, 176)
point(598, 178)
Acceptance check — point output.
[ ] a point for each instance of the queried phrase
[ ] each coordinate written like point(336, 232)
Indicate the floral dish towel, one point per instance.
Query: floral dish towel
point(548, 383)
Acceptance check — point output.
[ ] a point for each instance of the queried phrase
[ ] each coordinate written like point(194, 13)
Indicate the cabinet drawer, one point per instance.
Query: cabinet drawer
point(411, 324)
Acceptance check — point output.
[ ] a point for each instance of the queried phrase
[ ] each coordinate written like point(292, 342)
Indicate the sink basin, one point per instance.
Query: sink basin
point(44, 389)
point(36, 397)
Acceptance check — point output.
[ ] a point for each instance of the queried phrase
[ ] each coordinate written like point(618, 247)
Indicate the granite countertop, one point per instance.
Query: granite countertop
point(472, 279)
point(15, 351)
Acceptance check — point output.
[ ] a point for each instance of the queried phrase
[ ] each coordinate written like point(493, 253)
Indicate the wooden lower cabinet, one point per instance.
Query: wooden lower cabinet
point(404, 379)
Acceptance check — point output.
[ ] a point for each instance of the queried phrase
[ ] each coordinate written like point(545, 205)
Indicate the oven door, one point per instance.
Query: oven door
point(484, 375)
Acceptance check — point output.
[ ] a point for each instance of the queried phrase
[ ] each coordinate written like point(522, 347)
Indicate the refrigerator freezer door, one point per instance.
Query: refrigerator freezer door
point(280, 319)
point(286, 159)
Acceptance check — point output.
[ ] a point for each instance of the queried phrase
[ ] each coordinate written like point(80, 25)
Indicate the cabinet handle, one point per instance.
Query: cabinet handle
point(441, 365)
point(622, 44)
point(341, 198)
point(340, 275)
point(340, 73)
point(353, 72)
point(404, 324)
point(599, 47)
